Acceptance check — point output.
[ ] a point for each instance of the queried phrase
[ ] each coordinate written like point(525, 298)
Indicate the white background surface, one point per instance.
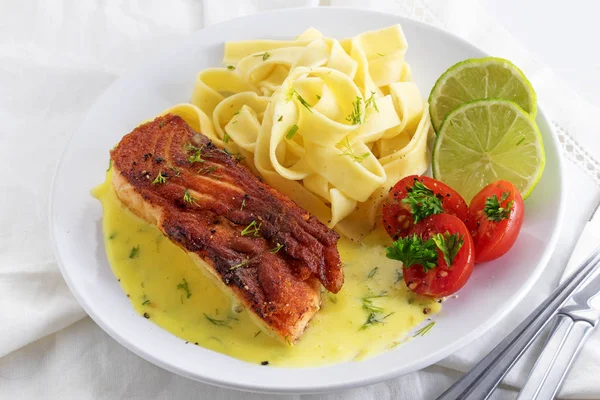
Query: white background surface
point(58, 56)
point(562, 34)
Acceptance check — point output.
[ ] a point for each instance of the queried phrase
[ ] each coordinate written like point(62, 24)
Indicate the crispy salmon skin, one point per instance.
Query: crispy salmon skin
point(262, 248)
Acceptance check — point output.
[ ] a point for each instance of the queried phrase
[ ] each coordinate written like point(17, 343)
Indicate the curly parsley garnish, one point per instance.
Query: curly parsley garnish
point(492, 208)
point(422, 201)
point(449, 244)
point(413, 250)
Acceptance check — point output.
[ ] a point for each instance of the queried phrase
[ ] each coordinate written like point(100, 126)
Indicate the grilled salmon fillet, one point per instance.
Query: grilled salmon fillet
point(262, 248)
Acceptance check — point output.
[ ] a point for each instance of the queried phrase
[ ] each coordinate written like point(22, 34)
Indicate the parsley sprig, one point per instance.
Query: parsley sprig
point(449, 244)
point(422, 201)
point(413, 250)
point(492, 209)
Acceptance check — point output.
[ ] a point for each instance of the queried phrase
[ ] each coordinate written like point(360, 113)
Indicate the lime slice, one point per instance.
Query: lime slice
point(486, 140)
point(479, 78)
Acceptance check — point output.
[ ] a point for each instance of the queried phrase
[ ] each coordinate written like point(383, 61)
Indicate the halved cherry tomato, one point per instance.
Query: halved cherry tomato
point(496, 220)
point(398, 215)
point(442, 280)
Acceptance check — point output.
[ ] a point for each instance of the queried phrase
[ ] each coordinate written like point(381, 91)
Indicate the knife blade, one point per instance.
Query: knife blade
point(576, 320)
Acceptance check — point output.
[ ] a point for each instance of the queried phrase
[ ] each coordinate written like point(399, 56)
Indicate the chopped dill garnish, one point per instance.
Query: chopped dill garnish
point(208, 170)
point(291, 132)
point(188, 198)
point(372, 272)
point(425, 329)
point(318, 97)
point(185, 287)
point(265, 56)
point(109, 165)
point(112, 236)
point(399, 275)
point(350, 152)
point(145, 302)
point(238, 157)
point(373, 319)
point(230, 67)
point(226, 138)
point(280, 118)
point(257, 333)
point(380, 54)
point(175, 169)
point(276, 248)
point(521, 141)
point(218, 322)
point(371, 102)
point(252, 229)
point(292, 92)
point(240, 265)
point(356, 116)
point(237, 112)
point(134, 251)
point(160, 179)
point(367, 302)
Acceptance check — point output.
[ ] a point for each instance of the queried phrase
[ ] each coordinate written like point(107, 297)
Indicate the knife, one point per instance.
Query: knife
point(576, 320)
point(578, 300)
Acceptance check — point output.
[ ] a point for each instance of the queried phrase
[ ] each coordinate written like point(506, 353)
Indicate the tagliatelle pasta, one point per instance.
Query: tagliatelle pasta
point(332, 124)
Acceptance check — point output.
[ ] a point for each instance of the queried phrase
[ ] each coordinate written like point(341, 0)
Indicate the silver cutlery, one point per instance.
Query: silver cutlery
point(576, 300)
point(575, 322)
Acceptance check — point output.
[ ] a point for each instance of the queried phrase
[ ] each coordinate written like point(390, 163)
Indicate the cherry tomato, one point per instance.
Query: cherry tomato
point(496, 220)
point(398, 213)
point(442, 280)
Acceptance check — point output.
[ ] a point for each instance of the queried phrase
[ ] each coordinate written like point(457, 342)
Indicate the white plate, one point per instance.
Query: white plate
point(75, 217)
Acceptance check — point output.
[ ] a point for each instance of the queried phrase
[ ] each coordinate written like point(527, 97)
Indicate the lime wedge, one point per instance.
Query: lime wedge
point(479, 78)
point(486, 140)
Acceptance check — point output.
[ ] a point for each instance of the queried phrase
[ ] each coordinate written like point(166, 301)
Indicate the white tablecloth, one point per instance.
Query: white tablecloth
point(57, 57)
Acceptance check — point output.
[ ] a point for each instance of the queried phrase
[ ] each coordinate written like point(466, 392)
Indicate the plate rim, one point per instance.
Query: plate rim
point(424, 362)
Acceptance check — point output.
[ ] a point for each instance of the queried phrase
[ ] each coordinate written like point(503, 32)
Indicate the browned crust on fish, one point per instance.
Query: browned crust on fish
point(205, 203)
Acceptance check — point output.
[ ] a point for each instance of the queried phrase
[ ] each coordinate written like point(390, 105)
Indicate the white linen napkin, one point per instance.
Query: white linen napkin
point(57, 57)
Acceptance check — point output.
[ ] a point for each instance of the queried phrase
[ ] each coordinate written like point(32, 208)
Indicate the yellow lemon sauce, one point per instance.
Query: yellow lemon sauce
point(373, 312)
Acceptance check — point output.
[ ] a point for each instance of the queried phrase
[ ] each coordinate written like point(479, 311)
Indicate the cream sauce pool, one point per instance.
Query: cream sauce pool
point(373, 312)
